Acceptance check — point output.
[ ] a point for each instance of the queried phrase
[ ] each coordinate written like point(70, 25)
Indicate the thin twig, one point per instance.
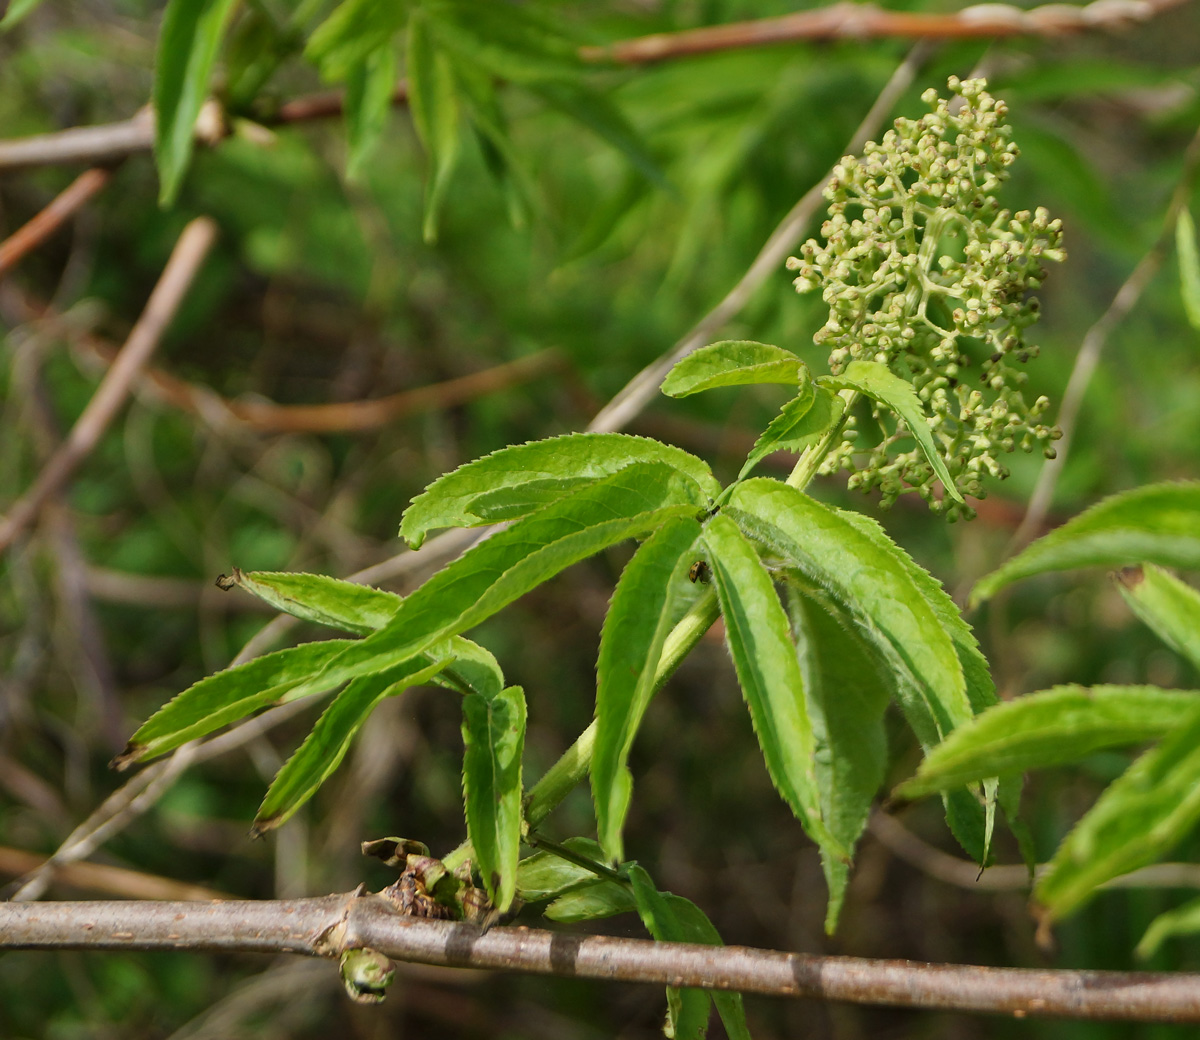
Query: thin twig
point(98, 145)
point(60, 209)
point(329, 925)
point(1093, 345)
point(116, 881)
point(114, 388)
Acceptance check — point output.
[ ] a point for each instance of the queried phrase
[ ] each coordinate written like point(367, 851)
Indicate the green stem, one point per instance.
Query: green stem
point(811, 458)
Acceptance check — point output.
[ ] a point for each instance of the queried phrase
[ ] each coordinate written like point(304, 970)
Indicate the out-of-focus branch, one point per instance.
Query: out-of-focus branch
point(1093, 345)
point(98, 145)
point(329, 925)
point(168, 294)
point(116, 881)
point(61, 209)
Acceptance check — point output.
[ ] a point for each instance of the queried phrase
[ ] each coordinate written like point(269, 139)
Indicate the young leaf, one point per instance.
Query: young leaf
point(874, 586)
point(1169, 608)
point(879, 383)
point(590, 902)
point(734, 363)
point(638, 620)
point(1048, 728)
point(518, 480)
point(355, 29)
point(847, 693)
point(493, 732)
point(687, 1008)
point(230, 695)
point(630, 503)
point(1159, 523)
point(756, 631)
point(802, 422)
point(433, 100)
point(1139, 818)
point(327, 601)
point(327, 743)
point(187, 50)
point(545, 875)
point(1183, 920)
point(1189, 266)
point(369, 87)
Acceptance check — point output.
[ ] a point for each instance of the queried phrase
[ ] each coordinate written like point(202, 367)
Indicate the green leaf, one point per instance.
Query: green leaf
point(1159, 523)
point(230, 695)
point(734, 362)
point(874, 586)
point(509, 42)
point(1139, 818)
point(327, 601)
point(17, 10)
point(1189, 265)
point(490, 575)
point(545, 875)
point(515, 481)
point(846, 693)
point(326, 745)
point(881, 384)
point(756, 630)
point(187, 50)
point(801, 424)
point(597, 113)
point(1048, 728)
point(695, 927)
point(355, 30)
point(1169, 607)
point(591, 902)
point(493, 732)
point(637, 623)
point(1183, 920)
point(687, 1017)
point(369, 86)
point(433, 101)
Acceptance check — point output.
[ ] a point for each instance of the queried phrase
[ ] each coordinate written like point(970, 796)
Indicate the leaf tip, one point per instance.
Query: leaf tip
point(127, 757)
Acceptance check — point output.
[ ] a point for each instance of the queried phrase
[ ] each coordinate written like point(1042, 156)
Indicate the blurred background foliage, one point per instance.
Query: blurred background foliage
point(322, 289)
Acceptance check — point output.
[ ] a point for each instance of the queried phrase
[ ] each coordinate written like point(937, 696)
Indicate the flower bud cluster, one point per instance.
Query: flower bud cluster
point(925, 272)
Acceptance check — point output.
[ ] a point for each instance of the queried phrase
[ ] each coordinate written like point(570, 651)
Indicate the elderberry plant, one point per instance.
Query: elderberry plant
point(924, 272)
point(826, 619)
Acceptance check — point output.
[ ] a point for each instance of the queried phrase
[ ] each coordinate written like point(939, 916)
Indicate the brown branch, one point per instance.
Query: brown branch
point(98, 145)
point(328, 925)
point(64, 206)
point(168, 294)
point(98, 877)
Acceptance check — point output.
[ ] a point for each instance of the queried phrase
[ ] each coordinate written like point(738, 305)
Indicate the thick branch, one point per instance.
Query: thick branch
point(328, 925)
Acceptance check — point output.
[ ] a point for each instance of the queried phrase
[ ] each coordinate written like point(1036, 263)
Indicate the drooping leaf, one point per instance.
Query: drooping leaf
point(187, 50)
point(1138, 819)
point(591, 902)
point(687, 1016)
point(1189, 266)
point(1167, 605)
point(546, 875)
point(369, 86)
point(485, 579)
point(433, 100)
point(326, 745)
point(638, 620)
point(17, 11)
point(327, 601)
point(515, 481)
point(847, 694)
point(756, 630)
point(734, 363)
point(494, 740)
point(1159, 523)
point(1051, 727)
point(231, 694)
point(354, 30)
point(874, 587)
point(802, 422)
point(1183, 920)
point(881, 384)
point(513, 43)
